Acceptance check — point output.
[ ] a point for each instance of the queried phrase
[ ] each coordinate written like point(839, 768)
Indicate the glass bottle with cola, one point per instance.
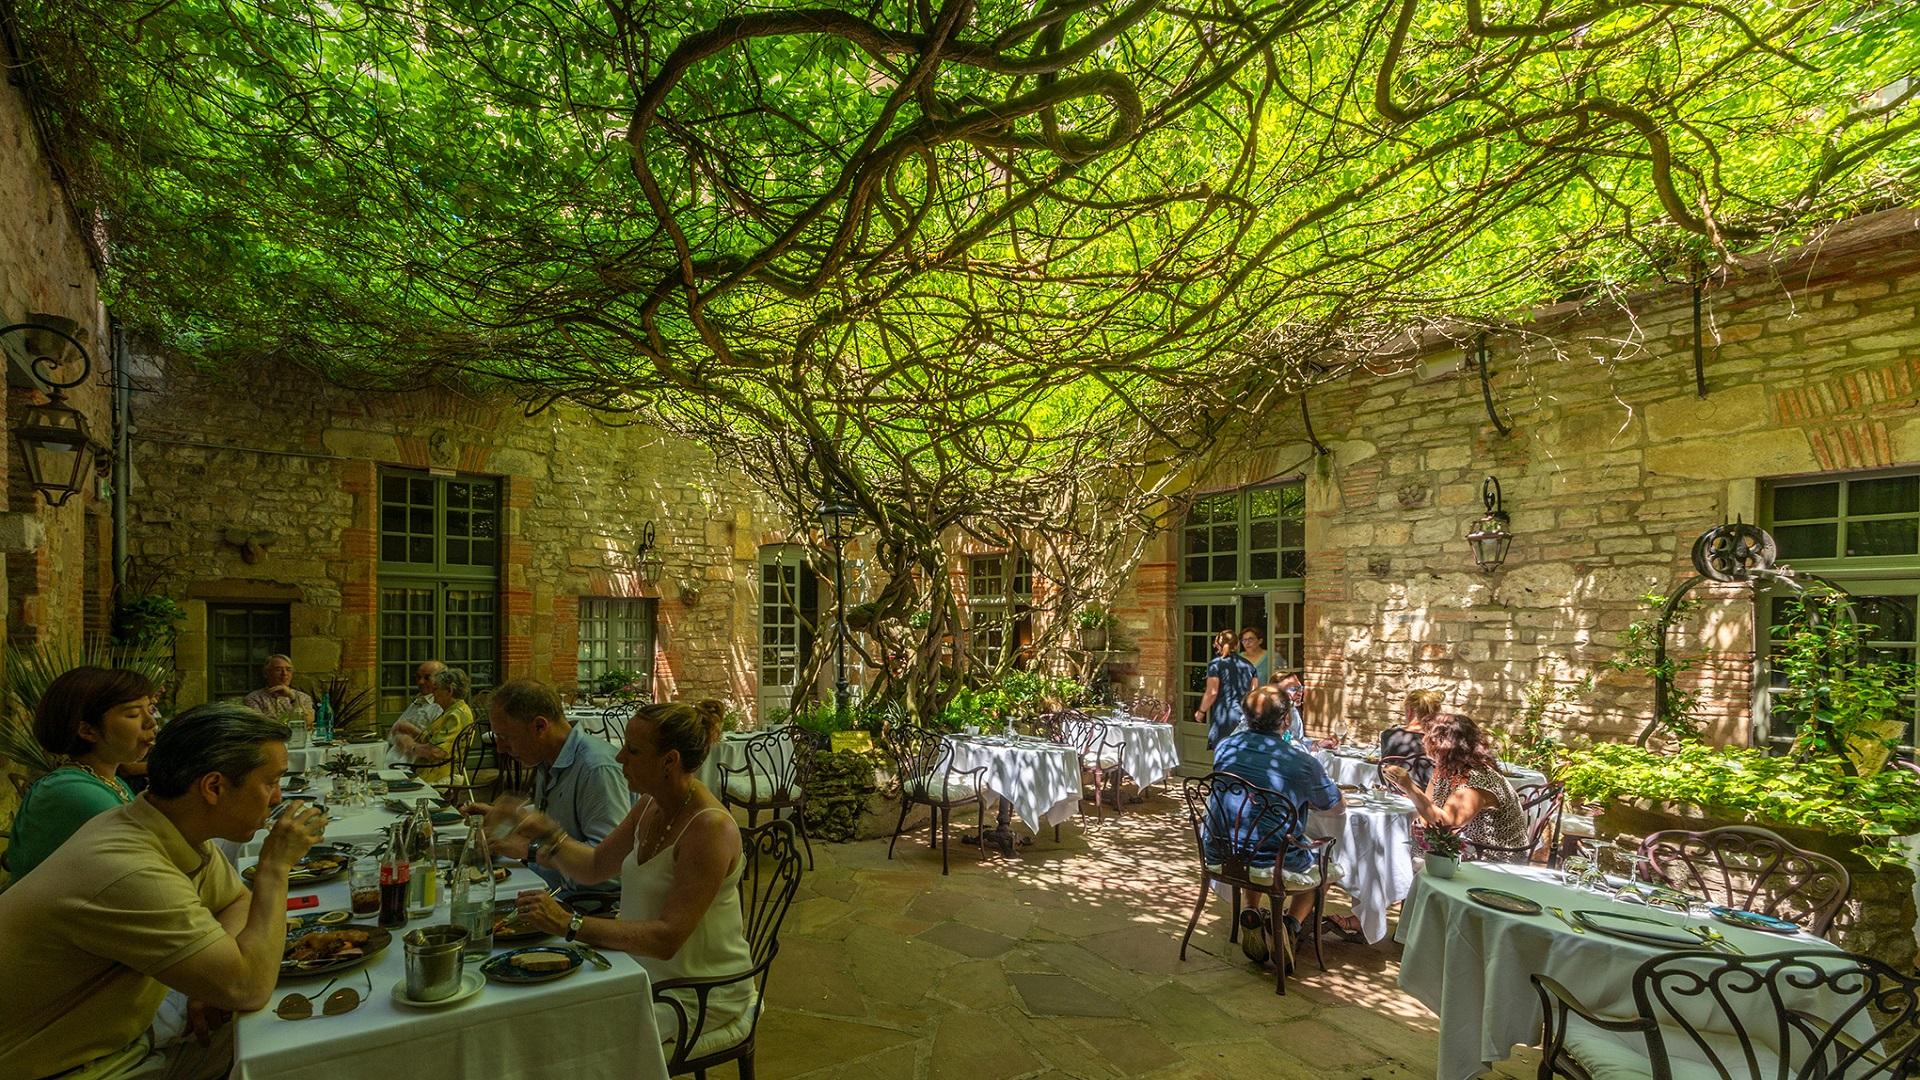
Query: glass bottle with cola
point(473, 892)
point(396, 873)
point(423, 892)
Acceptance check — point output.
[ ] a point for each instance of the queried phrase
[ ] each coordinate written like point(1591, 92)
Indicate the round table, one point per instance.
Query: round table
point(1374, 855)
point(309, 758)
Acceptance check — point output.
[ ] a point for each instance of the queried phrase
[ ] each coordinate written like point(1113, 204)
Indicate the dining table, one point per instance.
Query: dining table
point(1032, 778)
point(309, 759)
point(1374, 855)
point(363, 823)
point(609, 1029)
point(1359, 766)
point(1148, 752)
point(1470, 963)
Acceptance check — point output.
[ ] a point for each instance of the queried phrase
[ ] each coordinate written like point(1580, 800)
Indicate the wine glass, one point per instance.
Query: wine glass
point(1573, 871)
point(1342, 728)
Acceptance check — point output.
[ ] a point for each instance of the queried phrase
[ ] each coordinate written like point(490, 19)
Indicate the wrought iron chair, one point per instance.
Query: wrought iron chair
point(1541, 805)
point(613, 722)
point(1099, 749)
point(778, 772)
point(1745, 866)
point(1688, 1020)
point(1151, 708)
point(923, 760)
point(1252, 822)
point(458, 788)
point(1418, 766)
point(768, 879)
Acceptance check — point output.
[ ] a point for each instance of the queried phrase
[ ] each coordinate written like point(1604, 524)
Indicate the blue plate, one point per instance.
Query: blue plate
point(1753, 920)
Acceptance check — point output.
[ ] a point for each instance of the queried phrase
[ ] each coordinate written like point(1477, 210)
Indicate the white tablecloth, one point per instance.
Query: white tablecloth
point(1041, 779)
point(308, 759)
point(1373, 856)
point(1470, 964)
point(592, 1024)
point(1147, 750)
point(731, 751)
point(1356, 771)
point(362, 825)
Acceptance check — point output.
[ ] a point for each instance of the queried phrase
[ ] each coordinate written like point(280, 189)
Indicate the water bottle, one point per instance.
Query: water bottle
point(473, 894)
point(423, 892)
point(322, 719)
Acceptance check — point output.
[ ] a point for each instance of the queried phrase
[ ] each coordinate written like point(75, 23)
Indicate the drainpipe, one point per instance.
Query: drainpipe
point(122, 449)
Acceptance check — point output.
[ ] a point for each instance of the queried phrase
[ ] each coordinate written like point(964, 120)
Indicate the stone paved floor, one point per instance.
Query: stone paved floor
point(1063, 963)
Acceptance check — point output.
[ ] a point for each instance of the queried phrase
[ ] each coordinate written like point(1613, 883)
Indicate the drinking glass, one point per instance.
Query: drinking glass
point(1573, 871)
point(1342, 728)
point(363, 886)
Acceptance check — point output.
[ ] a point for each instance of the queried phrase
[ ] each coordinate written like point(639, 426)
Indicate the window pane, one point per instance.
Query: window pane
point(1263, 565)
point(1806, 501)
point(1807, 541)
point(1869, 538)
point(1886, 495)
point(1890, 617)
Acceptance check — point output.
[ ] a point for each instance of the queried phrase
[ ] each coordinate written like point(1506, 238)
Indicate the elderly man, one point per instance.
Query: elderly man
point(419, 715)
point(137, 902)
point(576, 780)
point(278, 698)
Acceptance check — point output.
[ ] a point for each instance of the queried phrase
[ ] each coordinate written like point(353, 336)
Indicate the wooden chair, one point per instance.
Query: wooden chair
point(1251, 823)
point(1751, 868)
point(1699, 1013)
point(923, 760)
point(1541, 805)
point(778, 772)
point(769, 876)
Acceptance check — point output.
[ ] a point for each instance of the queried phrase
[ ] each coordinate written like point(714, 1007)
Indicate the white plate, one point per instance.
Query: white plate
point(470, 983)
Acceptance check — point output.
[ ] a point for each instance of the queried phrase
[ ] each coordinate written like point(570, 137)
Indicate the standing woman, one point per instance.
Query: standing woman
point(1253, 646)
point(677, 855)
point(434, 747)
point(1229, 678)
point(100, 719)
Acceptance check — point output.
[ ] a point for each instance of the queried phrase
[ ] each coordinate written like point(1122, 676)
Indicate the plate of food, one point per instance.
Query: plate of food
point(1753, 920)
point(507, 927)
point(318, 865)
point(533, 964)
point(319, 952)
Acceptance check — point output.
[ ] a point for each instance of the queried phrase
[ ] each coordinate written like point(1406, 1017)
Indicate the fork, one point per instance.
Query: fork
point(1713, 939)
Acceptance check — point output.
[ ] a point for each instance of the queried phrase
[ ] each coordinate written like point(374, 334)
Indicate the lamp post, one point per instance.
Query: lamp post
point(1491, 535)
point(54, 438)
point(840, 520)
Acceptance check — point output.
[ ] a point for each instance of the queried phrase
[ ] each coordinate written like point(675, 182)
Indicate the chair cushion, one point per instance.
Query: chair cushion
point(740, 788)
point(1622, 1055)
point(944, 787)
point(1576, 825)
point(1109, 759)
point(1263, 875)
point(710, 1041)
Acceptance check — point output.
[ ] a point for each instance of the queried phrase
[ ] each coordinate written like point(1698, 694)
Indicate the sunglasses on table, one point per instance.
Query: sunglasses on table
point(339, 1003)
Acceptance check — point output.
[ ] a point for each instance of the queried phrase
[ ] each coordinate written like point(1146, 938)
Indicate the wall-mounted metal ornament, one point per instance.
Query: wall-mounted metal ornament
point(54, 437)
point(1486, 385)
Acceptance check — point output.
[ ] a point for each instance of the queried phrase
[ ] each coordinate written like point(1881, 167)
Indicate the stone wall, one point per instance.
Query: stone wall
point(1613, 467)
point(287, 457)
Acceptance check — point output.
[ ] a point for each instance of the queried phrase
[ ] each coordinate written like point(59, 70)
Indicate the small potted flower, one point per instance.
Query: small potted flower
point(1441, 846)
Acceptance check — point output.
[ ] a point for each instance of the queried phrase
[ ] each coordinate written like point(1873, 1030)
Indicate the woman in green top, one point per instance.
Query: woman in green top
point(99, 719)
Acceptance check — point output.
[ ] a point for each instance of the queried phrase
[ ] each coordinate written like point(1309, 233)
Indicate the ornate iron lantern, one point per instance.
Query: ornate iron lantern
point(1491, 534)
point(54, 437)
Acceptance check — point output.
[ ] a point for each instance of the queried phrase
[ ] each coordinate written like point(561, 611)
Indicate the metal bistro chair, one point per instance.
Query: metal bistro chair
point(923, 760)
point(1745, 866)
point(613, 722)
point(1250, 819)
point(778, 772)
point(1703, 1014)
point(1151, 709)
point(1418, 766)
point(1099, 749)
point(1541, 805)
point(768, 879)
point(462, 768)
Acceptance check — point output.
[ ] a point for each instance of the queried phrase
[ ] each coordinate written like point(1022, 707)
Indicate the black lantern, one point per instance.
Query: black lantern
point(645, 563)
point(54, 438)
point(1491, 535)
point(840, 520)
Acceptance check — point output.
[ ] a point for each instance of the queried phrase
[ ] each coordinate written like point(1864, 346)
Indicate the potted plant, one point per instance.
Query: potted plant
point(1095, 622)
point(1441, 846)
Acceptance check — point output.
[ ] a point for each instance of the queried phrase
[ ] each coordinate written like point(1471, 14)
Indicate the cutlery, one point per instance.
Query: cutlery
point(592, 956)
point(1716, 940)
point(1561, 914)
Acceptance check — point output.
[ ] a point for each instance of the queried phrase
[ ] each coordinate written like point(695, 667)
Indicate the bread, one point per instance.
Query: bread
point(537, 962)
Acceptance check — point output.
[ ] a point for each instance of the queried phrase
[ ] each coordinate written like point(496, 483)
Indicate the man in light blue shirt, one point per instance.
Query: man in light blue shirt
point(576, 780)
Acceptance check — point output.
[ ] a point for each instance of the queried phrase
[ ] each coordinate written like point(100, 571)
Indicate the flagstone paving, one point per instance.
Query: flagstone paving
point(1061, 963)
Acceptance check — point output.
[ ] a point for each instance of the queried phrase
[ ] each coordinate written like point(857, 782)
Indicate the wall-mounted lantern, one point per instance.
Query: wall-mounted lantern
point(54, 438)
point(1492, 533)
point(645, 563)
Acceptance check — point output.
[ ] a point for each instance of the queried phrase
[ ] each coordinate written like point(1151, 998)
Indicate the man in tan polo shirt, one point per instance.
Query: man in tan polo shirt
point(137, 902)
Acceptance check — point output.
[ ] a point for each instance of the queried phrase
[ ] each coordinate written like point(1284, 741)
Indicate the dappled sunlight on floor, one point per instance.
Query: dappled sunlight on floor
point(1064, 962)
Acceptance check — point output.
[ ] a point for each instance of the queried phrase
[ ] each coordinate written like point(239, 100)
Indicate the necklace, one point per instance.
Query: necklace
point(107, 780)
point(666, 826)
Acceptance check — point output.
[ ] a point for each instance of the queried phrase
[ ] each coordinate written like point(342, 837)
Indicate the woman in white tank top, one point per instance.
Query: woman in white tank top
point(677, 854)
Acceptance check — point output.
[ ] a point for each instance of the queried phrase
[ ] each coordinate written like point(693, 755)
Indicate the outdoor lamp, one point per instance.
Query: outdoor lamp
point(1491, 535)
point(54, 438)
point(839, 519)
point(645, 563)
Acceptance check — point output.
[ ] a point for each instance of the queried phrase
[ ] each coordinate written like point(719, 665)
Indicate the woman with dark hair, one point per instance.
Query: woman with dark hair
point(678, 857)
point(99, 719)
point(1467, 793)
point(1229, 677)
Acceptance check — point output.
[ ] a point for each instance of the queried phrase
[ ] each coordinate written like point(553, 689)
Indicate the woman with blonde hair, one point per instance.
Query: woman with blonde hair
point(678, 857)
point(1408, 739)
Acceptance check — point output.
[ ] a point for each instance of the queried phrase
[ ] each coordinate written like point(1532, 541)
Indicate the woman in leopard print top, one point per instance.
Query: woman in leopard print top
point(1467, 792)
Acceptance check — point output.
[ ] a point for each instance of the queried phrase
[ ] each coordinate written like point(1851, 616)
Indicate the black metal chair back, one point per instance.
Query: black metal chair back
point(1245, 820)
point(1419, 766)
point(1751, 868)
point(1542, 806)
point(775, 762)
point(923, 760)
point(613, 722)
point(1092, 738)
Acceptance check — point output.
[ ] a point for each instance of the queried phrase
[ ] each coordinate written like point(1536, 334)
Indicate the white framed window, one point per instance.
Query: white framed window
point(616, 634)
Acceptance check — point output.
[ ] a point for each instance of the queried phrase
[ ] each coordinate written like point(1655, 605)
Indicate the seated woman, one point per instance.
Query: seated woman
point(1263, 756)
point(1467, 793)
point(1409, 739)
point(434, 747)
point(100, 719)
point(680, 907)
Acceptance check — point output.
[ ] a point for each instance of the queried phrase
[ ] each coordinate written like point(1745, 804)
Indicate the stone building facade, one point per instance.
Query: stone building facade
point(1614, 464)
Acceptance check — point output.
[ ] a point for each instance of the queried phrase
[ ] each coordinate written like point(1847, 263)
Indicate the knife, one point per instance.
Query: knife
point(1561, 914)
point(592, 956)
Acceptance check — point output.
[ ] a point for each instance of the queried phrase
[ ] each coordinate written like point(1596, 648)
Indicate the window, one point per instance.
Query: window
point(1199, 622)
point(1000, 605)
point(439, 579)
point(616, 634)
point(240, 637)
point(1862, 532)
point(1256, 536)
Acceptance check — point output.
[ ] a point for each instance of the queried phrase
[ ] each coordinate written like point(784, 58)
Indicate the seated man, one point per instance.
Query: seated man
point(278, 699)
point(576, 780)
point(136, 902)
point(1262, 756)
point(419, 714)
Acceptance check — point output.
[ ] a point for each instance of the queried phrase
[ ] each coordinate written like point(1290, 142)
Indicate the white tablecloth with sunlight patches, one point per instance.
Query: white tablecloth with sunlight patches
point(1470, 964)
point(1373, 855)
point(1041, 779)
point(1147, 750)
point(590, 1025)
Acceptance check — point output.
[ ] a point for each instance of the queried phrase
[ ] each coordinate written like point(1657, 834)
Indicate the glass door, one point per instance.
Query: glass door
point(788, 603)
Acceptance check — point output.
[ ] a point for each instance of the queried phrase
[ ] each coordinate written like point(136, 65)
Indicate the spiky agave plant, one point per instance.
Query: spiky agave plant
point(30, 669)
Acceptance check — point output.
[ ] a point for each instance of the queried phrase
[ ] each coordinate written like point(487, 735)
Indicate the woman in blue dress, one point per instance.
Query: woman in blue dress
point(1229, 678)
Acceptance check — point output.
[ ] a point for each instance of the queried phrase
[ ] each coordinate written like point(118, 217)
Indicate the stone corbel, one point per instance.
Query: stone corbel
point(253, 545)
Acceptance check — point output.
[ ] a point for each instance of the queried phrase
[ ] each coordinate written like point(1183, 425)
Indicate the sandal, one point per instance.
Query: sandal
point(1253, 935)
point(1346, 933)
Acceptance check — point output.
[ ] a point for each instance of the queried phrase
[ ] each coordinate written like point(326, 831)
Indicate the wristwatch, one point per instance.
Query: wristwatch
point(573, 925)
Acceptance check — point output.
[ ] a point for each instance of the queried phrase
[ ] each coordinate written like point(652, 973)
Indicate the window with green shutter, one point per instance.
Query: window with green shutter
point(439, 579)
